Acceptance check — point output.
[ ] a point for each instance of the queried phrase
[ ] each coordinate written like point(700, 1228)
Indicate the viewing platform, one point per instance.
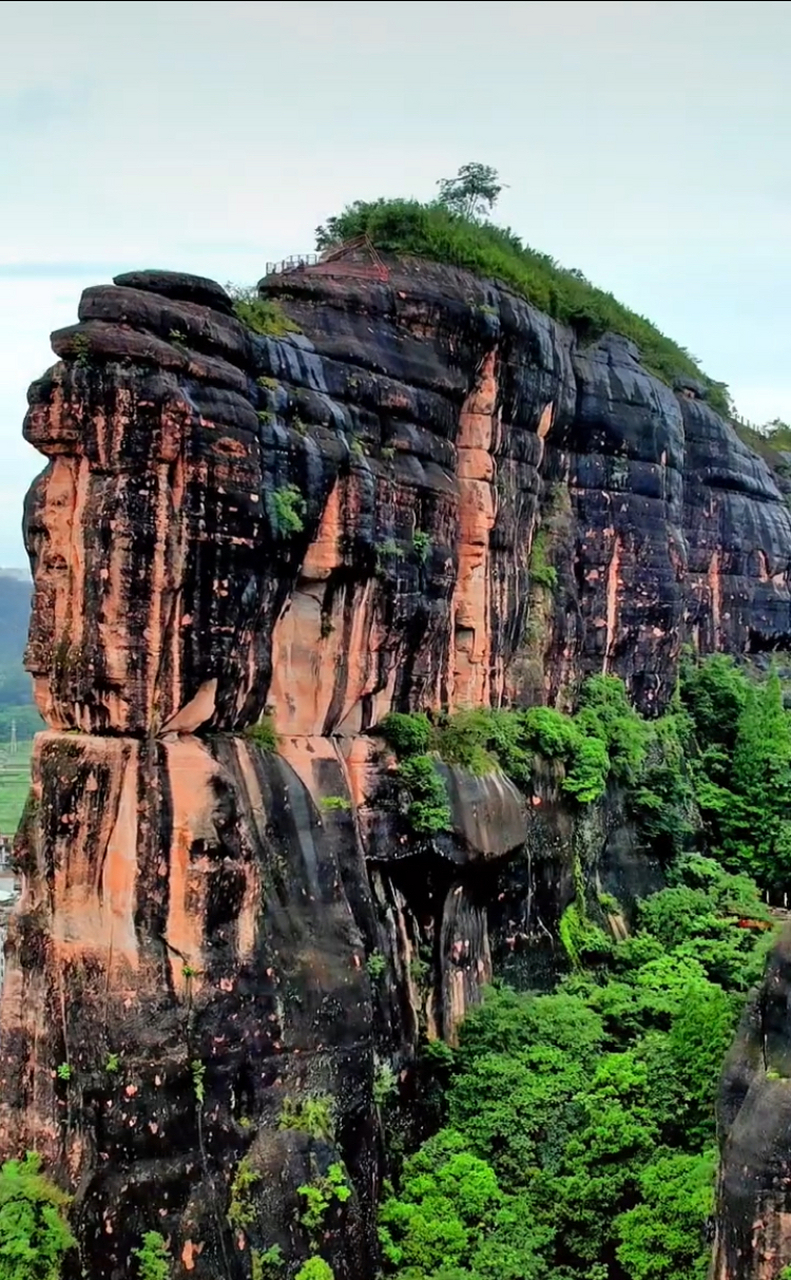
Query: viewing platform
point(353, 258)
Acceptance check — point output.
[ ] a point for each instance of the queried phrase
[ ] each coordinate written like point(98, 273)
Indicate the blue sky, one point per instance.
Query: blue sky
point(646, 143)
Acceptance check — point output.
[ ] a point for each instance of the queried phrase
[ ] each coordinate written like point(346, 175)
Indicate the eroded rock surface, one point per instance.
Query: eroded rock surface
point(355, 512)
point(754, 1194)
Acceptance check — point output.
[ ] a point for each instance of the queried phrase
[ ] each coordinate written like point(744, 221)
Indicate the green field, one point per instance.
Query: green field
point(14, 784)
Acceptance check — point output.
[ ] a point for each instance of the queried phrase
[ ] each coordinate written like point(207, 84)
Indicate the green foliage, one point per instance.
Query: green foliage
point(541, 571)
point(472, 193)
point(267, 1264)
point(376, 965)
point(582, 940)
point(467, 738)
point(198, 1072)
point(436, 232)
point(421, 545)
point(64, 1071)
point(428, 811)
point(34, 1233)
point(411, 735)
point(388, 549)
point(581, 1123)
point(771, 441)
point(288, 509)
point(715, 693)
point(605, 713)
point(262, 315)
point(606, 739)
point(742, 773)
point(660, 1239)
point(662, 800)
point(153, 1257)
point(385, 1084)
point(319, 1195)
point(81, 348)
point(263, 734)
point(313, 1115)
point(242, 1208)
point(336, 803)
point(609, 904)
point(315, 1269)
point(113, 1064)
point(586, 778)
point(453, 1219)
point(551, 733)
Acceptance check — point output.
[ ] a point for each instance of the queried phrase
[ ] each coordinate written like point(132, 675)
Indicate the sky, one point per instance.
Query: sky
point(645, 143)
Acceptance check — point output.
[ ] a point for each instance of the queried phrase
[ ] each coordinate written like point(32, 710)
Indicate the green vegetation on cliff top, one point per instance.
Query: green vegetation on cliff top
point(436, 231)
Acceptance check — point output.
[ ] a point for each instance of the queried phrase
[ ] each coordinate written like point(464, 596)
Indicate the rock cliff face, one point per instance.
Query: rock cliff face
point(362, 509)
point(754, 1220)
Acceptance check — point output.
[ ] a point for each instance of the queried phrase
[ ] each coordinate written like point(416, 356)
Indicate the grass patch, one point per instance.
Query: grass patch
point(769, 444)
point(262, 315)
point(263, 734)
point(336, 803)
point(431, 231)
point(313, 1115)
point(541, 571)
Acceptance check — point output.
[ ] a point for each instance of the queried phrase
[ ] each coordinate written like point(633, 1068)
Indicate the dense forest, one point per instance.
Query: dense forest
point(576, 1130)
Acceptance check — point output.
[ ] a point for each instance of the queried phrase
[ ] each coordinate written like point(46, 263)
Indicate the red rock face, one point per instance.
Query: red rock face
point(349, 516)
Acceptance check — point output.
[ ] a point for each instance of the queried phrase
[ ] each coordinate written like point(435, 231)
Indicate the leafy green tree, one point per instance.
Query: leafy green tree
point(452, 1220)
point(34, 1233)
point(315, 1269)
point(700, 1034)
point(473, 192)
point(153, 1258)
point(661, 1238)
point(715, 692)
point(448, 1197)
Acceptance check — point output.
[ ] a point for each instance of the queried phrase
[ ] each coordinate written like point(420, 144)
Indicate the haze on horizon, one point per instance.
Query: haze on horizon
point(645, 143)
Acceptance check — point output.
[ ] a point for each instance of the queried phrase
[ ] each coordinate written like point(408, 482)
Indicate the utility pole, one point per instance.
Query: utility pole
point(13, 738)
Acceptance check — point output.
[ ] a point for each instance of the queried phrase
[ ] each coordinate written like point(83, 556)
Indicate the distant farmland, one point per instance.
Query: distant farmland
point(14, 785)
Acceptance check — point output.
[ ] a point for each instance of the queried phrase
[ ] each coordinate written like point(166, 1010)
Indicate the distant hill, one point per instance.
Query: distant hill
point(16, 699)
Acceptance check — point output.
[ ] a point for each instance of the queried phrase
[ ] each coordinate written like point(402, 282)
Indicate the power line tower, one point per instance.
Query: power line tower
point(14, 746)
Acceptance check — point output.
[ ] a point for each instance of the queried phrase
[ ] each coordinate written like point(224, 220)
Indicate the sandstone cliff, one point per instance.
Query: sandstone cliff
point(406, 493)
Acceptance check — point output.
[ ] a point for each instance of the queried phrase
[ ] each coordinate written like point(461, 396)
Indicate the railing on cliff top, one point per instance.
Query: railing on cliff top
point(335, 262)
point(737, 420)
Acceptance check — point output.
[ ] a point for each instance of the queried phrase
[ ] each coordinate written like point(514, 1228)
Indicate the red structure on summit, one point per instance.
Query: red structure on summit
point(356, 257)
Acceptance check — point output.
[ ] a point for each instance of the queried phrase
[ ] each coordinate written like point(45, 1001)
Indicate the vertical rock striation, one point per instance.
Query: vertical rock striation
point(399, 495)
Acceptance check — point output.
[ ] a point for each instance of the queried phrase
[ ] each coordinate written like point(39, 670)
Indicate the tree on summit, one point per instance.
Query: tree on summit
point(473, 192)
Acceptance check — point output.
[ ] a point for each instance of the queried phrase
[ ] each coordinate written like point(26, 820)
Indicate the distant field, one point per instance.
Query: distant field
point(14, 784)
